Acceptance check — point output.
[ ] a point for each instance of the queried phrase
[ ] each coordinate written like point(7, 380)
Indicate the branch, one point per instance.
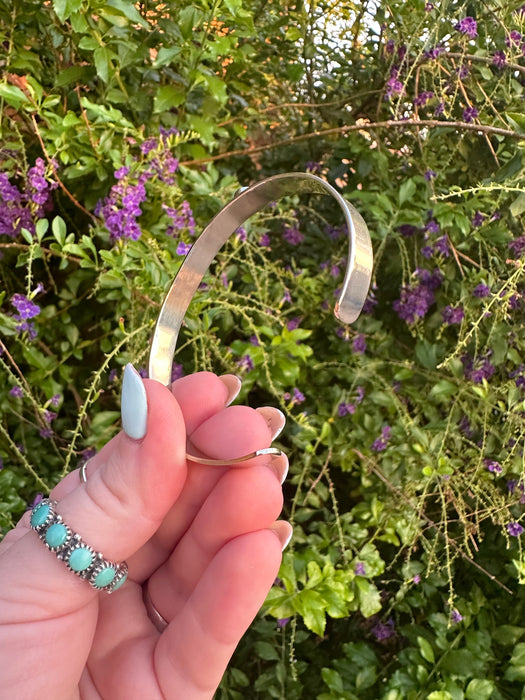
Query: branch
point(367, 126)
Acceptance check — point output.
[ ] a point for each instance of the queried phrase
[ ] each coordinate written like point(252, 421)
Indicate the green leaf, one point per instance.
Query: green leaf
point(13, 95)
point(426, 650)
point(65, 8)
point(266, 651)
point(332, 679)
point(102, 58)
point(130, 11)
point(517, 121)
point(58, 227)
point(168, 96)
point(479, 689)
point(407, 191)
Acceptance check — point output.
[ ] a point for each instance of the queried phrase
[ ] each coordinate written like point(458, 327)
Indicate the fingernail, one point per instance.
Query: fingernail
point(275, 419)
point(280, 466)
point(233, 385)
point(133, 404)
point(284, 532)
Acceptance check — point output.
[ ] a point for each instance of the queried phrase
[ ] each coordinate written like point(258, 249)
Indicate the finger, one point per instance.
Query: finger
point(199, 395)
point(235, 430)
point(192, 654)
point(242, 501)
point(115, 512)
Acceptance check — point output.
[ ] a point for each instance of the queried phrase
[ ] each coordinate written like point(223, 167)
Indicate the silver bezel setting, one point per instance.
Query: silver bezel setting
point(73, 542)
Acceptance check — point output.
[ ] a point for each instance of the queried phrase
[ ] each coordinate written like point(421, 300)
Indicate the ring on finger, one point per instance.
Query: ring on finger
point(153, 614)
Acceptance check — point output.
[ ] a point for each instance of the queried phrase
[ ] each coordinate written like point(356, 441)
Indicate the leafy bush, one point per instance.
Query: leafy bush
point(124, 129)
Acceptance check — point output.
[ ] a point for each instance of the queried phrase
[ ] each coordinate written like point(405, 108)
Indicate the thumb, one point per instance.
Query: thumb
point(132, 484)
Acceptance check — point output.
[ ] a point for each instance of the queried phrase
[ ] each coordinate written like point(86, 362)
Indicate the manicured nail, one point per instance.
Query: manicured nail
point(284, 532)
point(280, 465)
point(133, 404)
point(233, 385)
point(275, 419)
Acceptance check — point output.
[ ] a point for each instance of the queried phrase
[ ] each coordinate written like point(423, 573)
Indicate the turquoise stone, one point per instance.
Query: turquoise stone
point(80, 559)
point(119, 583)
point(56, 535)
point(104, 577)
point(39, 515)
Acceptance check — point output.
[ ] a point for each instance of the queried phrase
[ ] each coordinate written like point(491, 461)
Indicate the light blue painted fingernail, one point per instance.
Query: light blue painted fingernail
point(133, 404)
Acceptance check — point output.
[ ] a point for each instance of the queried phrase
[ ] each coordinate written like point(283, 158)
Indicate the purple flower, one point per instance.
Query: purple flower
point(298, 397)
point(55, 400)
point(313, 167)
point(435, 52)
point(181, 219)
point(292, 235)
point(16, 391)
point(390, 46)
point(381, 442)
point(423, 97)
point(264, 240)
point(293, 323)
point(456, 616)
point(241, 234)
point(383, 631)
point(245, 363)
point(493, 466)
point(452, 315)
point(407, 230)
point(345, 409)
point(515, 529)
point(499, 59)
point(359, 569)
point(478, 219)
point(394, 87)
point(439, 109)
point(149, 145)
point(183, 248)
point(481, 291)
point(429, 6)
point(477, 369)
point(430, 174)
point(470, 114)
point(416, 579)
point(25, 307)
point(513, 39)
point(359, 344)
point(282, 622)
point(518, 246)
point(121, 172)
point(432, 227)
point(177, 372)
point(415, 300)
point(468, 26)
point(441, 246)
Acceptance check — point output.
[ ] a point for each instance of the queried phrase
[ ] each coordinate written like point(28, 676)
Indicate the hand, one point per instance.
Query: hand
point(203, 539)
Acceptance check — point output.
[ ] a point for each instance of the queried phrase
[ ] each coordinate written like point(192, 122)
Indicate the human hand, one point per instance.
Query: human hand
point(203, 539)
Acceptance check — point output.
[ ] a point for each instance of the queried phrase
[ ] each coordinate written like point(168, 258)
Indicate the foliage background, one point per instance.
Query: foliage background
point(124, 129)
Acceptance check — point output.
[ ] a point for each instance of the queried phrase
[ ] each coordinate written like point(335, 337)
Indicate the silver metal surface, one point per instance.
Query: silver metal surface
point(247, 202)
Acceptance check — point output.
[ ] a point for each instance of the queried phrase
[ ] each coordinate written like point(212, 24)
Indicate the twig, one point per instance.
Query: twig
point(430, 522)
point(365, 126)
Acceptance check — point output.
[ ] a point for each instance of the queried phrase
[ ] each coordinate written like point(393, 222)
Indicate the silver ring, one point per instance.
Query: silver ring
point(153, 614)
point(69, 547)
point(82, 472)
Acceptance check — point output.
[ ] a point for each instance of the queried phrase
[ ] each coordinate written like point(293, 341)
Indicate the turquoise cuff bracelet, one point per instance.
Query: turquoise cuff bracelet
point(79, 557)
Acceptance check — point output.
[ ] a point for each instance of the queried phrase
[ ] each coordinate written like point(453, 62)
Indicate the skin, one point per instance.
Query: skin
point(204, 538)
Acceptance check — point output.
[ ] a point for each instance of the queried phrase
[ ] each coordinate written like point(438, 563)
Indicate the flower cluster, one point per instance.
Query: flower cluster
point(416, 299)
point(121, 209)
point(20, 208)
point(381, 443)
point(27, 309)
